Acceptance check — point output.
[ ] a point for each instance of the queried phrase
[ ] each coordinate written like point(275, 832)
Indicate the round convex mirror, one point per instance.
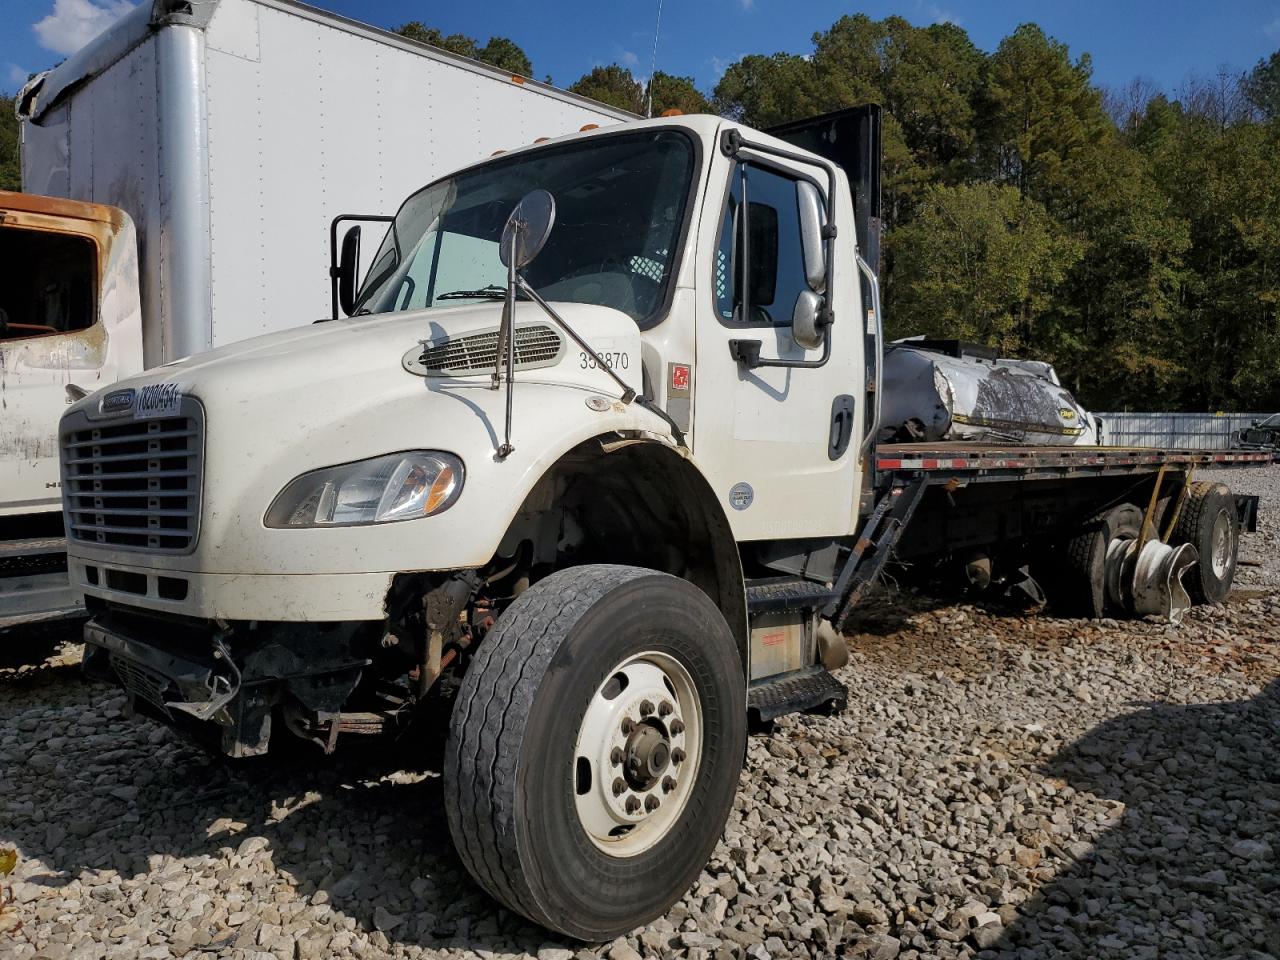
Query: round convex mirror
point(527, 228)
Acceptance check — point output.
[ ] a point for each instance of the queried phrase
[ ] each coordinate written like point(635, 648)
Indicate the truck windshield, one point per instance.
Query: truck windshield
point(620, 203)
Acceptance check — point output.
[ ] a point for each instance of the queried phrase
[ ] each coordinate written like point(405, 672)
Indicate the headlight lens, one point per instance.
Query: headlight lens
point(400, 486)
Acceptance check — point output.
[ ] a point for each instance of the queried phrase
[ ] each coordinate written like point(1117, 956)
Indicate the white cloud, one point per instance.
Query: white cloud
point(1272, 29)
point(747, 4)
point(629, 59)
point(15, 75)
point(938, 15)
point(73, 23)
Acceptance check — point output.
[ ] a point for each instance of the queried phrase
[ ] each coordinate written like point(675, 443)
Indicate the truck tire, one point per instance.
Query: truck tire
point(1082, 589)
point(1208, 522)
point(594, 748)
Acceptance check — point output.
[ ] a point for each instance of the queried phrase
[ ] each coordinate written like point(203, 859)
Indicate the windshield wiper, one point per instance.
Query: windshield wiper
point(491, 292)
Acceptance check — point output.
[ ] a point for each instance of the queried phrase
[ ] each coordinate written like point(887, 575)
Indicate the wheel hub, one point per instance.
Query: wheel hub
point(647, 754)
point(1220, 555)
point(637, 753)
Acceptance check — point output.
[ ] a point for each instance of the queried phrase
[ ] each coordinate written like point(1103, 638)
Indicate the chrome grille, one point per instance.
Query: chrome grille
point(535, 346)
point(133, 484)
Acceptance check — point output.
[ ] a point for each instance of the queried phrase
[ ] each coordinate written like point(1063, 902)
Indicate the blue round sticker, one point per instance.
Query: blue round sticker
point(741, 495)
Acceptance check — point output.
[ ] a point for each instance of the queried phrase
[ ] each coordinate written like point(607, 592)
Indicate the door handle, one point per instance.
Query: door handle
point(841, 426)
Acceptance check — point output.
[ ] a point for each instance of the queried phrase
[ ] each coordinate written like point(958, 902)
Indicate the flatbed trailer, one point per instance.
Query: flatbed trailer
point(983, 462)
point(956, 500)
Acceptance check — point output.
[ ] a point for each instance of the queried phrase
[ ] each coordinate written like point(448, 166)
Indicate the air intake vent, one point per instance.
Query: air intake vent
point(536, 346)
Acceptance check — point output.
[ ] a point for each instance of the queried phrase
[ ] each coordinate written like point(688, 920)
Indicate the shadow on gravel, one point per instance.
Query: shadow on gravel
point(1193, 867)
point(888, 607)
point(360, 833)
point(34, 644)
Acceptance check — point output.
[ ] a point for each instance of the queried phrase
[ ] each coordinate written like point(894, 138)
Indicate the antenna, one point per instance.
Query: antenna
point(653, 61)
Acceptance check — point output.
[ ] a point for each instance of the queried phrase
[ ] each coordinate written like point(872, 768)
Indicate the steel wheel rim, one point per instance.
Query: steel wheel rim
point(1220, 552)
point(627, 793)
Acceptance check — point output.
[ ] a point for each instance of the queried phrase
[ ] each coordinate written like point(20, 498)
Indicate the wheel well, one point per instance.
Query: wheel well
point(636, 502)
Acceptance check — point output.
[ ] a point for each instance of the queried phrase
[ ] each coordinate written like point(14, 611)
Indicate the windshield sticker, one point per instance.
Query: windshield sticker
point(157, 400)
point(741, 495)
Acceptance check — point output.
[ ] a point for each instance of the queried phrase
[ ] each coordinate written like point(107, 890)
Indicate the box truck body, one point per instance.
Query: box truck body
point(230, 133)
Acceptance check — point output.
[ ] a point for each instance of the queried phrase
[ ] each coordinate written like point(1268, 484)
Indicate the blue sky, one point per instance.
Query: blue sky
point(1165, 40)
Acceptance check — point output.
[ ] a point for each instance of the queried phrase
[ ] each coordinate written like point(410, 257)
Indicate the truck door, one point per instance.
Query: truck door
point(779, 444)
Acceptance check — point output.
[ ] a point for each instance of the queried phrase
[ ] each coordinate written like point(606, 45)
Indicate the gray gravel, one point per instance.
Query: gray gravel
point(1001, 785)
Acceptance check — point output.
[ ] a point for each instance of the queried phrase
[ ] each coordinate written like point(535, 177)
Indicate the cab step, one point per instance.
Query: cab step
point(809, 690)
point(775, 594)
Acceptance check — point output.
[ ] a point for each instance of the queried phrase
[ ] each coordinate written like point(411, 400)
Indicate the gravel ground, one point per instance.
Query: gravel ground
point(1001, 785)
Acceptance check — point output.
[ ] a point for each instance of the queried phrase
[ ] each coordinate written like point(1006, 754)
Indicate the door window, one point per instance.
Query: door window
point(49, 285)
point(769, 273)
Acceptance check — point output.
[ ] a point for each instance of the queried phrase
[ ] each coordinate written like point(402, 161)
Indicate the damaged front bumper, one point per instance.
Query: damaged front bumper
point(221, 685)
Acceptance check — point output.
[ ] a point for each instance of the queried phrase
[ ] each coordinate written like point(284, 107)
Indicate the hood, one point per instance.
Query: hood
point(336, 354)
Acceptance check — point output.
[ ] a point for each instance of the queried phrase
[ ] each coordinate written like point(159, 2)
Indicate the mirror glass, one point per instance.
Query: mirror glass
point(348, 267)
point(812, 218)
point(527, 228)
point(805, 328)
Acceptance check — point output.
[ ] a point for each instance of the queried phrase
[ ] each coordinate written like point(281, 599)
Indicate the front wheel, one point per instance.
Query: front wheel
point(594, 748)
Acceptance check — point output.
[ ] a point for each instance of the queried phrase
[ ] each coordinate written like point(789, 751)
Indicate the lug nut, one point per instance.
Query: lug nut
point(627, 726)
point(633, 804)
point(619, 787)
point(677, 726)
point(651, 803)
point(646, 708)
point(677, 755)
point(615, 756)
point(668, 784)
point(665, 709)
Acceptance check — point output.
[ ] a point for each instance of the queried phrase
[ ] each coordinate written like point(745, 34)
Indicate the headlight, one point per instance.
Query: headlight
point(400, 486)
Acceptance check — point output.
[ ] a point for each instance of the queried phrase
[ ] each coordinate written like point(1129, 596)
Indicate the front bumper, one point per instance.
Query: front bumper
point(222, 685)
point(294, 598)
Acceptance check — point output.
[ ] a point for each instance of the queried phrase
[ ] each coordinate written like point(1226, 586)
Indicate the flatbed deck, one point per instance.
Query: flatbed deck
point(978, 462)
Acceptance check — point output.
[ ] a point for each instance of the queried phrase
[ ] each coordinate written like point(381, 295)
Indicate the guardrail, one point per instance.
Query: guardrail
point(1183, 431)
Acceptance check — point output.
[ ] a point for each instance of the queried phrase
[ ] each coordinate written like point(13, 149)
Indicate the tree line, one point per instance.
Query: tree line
point(1131, 237)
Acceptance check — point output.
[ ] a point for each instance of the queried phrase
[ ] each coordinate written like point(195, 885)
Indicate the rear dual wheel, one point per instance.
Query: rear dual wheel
point(594, 748)
point(1208, 522)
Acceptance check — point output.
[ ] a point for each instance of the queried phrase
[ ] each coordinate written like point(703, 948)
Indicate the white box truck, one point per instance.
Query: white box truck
point(226, 135)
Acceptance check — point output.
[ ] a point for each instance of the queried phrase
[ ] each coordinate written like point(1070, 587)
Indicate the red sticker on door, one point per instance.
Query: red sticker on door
point(680, 376)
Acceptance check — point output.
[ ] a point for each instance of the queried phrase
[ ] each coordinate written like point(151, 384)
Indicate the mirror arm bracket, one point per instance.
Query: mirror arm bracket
point(747, 353)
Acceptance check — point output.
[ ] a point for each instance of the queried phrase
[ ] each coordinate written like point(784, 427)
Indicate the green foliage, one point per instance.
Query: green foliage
point(982, 263)
point(10, 170)
point(499, 51)
point(613, 85)
point(764, 91)
point(506, 55)
point(1262, 87)
point(676, 93)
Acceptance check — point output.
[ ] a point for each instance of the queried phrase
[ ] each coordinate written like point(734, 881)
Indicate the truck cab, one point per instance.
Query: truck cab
point(313, 532)
point(69, 315)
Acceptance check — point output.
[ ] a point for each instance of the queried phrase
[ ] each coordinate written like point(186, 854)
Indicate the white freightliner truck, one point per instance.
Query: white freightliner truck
point(594, 454)
point(182, 172)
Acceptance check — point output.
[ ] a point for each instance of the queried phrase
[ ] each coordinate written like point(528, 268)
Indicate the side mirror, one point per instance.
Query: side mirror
point(348, 268)
point(527, 229)
point(807, 328)
point(1253, 423)
point(812, 219)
